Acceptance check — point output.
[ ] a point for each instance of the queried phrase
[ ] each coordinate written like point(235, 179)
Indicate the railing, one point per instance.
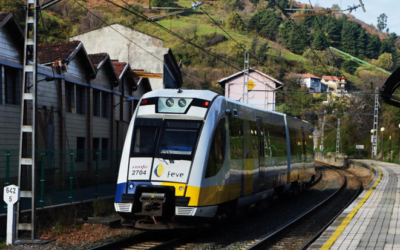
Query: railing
point(64, 176)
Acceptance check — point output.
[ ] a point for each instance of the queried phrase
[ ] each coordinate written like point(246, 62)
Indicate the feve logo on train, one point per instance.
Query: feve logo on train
point(159, 170)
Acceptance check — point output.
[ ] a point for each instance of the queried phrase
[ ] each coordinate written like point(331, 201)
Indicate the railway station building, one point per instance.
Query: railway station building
point(261, 91)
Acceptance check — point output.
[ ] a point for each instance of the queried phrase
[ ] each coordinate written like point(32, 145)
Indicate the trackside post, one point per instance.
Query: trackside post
point(11, 196)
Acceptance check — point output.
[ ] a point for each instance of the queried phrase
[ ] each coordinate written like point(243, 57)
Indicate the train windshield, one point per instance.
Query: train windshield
point(178, 139)
point(145, 138)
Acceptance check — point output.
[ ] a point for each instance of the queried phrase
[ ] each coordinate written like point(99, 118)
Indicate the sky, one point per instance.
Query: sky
point(373, 9)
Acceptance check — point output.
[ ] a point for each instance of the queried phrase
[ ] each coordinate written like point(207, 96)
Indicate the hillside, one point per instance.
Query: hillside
point(223, 29)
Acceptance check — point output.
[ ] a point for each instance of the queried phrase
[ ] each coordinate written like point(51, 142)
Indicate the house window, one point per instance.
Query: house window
point(69, 97)
point(104, 149)
point(80, 100)
point(105, 107)
point(96, 148)
point(12, 85)
point(96, 103)
point(80, 149)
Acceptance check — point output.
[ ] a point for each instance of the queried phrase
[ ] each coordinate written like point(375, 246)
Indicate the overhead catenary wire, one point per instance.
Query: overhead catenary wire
point(145, 18)
point(326, 39)
point(241, 45)
point(301, 34)
point(218, 57)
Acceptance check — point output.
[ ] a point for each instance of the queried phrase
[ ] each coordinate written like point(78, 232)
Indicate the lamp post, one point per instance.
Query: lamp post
point(382, 129)
point(372, 143)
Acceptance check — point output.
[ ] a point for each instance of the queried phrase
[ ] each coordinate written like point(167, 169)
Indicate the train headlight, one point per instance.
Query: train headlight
point(131, 186)
point(182, 102)
point(180, 188)
point(169, 102)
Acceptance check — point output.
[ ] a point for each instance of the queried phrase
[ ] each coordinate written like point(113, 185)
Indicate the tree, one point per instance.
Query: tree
point(333, 29)
point(349, 37)
point(382, 21)
point(373, 46)
point(162, 3)
point(234, 21)
point(362, 44)
point(266, 23)
point(387, 46)
point(319, 42)
point(385, 61)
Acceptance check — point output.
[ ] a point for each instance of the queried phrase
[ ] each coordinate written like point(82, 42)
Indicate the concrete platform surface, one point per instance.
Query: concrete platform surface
point(372, 221)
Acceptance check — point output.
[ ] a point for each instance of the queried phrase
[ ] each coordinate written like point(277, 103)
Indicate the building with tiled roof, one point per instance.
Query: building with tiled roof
point(312, 82)
point(261, 90)
point(337, 84)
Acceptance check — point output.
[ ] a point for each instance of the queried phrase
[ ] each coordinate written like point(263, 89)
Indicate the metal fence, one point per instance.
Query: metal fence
point(63, 176)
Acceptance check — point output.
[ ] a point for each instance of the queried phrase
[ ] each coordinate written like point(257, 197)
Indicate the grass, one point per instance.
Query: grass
point(3, 245)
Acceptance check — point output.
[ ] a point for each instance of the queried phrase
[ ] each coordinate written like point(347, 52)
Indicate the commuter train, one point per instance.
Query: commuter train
point(191, 156)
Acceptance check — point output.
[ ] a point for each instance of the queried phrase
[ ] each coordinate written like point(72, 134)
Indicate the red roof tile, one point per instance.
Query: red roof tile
point(97, 58)
point(309, 75)
point(119, 67)
point(55, 51)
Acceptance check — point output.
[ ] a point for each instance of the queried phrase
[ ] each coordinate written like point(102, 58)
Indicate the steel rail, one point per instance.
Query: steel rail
point(259, 244)
point(359, 190)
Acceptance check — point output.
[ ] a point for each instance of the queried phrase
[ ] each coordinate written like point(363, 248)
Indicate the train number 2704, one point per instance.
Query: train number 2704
point(139, 172)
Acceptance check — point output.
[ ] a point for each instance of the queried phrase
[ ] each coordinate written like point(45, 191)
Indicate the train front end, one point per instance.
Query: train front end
point(157, 159)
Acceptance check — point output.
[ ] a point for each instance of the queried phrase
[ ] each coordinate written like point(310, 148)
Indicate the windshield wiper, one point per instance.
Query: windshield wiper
point(163, 144)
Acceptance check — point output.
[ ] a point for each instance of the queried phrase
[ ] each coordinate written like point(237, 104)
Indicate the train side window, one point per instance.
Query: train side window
point(217, 151)
point(236, 137)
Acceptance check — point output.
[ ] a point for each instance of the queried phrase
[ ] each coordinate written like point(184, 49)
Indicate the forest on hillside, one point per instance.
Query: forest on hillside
point(279, 45)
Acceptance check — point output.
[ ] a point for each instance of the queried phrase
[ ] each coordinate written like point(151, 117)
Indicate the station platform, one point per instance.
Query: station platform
point(372, 221)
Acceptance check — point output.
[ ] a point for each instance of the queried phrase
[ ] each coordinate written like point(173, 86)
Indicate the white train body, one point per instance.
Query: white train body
point(196, 154)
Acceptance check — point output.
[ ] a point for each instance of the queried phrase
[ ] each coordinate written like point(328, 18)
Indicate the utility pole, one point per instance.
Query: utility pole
point(246, 77)
point(28, 124)
point(375, 125)
point(338, 138)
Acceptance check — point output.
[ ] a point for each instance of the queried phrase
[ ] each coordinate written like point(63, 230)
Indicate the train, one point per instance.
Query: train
point(193, 156)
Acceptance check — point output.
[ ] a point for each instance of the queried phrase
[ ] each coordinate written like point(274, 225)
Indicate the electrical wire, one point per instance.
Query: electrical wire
point(241, 45)
point(326, 39)
point(301, 34)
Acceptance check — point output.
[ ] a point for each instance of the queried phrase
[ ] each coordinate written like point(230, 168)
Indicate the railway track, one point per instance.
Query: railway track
point(302, 231)
point(148, 240)
point(279, 239)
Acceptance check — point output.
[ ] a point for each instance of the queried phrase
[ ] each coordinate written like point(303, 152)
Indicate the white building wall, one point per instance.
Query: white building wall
point(262, 95)
point(140, 50)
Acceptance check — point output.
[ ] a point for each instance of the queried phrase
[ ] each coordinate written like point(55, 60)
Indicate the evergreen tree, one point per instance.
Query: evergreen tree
point(296, 42)
point(318, 22)
point(319, 41)
point(266, 23)
point(253, 46)
point(262, 51)
point(284, 31)
point(349, 37)
point(373, 47)
point(362, 44)
point(386, 46)
point(333, 28)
